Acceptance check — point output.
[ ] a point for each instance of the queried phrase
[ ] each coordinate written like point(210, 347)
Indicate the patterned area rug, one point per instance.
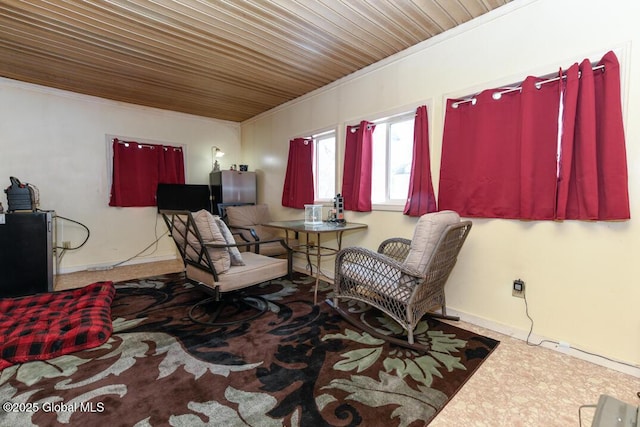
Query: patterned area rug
point(296, 365)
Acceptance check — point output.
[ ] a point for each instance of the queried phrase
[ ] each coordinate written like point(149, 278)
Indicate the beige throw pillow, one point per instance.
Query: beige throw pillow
point(206, 225)
point(234, 252)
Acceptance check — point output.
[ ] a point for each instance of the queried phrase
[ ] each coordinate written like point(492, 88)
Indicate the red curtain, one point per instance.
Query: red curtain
point(139, 168)
point(421, 198)
point(298, 180)
point(538, 149)
point(593, 180)
point(172, 166)
point(499, 155)
point(479, 157)
point(358, 158)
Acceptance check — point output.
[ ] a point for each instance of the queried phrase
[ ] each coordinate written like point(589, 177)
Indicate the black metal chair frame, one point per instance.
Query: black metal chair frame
point(199, 258)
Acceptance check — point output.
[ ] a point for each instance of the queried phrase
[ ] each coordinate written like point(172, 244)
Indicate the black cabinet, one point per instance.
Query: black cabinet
point(26, 253)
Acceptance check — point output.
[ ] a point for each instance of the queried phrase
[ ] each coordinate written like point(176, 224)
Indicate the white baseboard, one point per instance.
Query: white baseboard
point(550, 343)
point(109, 266)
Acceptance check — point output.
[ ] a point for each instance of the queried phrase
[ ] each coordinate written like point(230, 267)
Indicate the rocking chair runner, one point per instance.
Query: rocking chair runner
point(405, 279)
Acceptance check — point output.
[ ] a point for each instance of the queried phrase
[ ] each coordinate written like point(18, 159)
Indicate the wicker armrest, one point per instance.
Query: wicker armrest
point(375, 263)
point(375, 278)
point(396, 248)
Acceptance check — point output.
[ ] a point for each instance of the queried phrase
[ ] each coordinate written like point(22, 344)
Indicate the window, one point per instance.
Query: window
point(500, 149)
point(324, 165)
point(138, 168)
point(392, 155)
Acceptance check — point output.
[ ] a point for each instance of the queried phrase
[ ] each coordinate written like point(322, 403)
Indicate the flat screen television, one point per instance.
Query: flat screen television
point(183, 197)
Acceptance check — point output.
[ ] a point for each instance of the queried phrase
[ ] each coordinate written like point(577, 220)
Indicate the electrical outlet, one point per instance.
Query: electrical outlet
point(518, 288)
point(66, 244)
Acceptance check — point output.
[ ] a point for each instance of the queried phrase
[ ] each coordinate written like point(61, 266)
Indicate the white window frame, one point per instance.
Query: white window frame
point(388, 203)
point(331, 133)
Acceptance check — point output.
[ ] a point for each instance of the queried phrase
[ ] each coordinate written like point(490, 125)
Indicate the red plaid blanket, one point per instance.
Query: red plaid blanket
point(43, 326)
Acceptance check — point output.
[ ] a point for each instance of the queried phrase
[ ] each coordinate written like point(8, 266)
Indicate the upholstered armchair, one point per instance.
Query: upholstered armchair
point(214, 263)
point(247, 221)
point(405, 278)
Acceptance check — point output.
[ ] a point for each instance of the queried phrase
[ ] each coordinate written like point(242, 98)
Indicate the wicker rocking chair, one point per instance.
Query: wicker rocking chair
point(405, 279)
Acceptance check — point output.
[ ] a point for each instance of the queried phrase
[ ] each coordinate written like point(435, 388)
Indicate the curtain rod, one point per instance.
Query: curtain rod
point(140, 144)
point(305, 139)
point(355, 128)
point(120, 141)
point(538, 85)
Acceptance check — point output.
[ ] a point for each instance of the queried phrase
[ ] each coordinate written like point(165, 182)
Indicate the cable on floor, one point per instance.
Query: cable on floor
point(526, 305)
point(580, 412)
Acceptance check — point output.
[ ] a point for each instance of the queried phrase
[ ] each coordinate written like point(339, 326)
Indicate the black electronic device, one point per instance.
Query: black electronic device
point(336, 215)
point(183, 197)
point(338, 205)
point(21, 197)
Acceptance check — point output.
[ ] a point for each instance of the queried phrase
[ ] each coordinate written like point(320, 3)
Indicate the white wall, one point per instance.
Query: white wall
point(582, 278)
point(57, 141)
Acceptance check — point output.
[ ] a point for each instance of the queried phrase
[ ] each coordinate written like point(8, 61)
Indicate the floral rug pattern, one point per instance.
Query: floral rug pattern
point(298, 364)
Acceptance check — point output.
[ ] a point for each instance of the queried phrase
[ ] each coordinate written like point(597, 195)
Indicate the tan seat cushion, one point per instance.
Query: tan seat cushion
point(257, 269)
point(425, 237)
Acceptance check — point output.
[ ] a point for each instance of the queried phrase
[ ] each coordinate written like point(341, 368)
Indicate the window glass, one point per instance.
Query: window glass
point(379, 165)
point(400, 156)
point(325, 166)
point(392, 156)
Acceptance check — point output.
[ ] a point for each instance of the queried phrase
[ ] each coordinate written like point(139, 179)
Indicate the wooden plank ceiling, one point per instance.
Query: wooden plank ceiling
point(226, 59)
